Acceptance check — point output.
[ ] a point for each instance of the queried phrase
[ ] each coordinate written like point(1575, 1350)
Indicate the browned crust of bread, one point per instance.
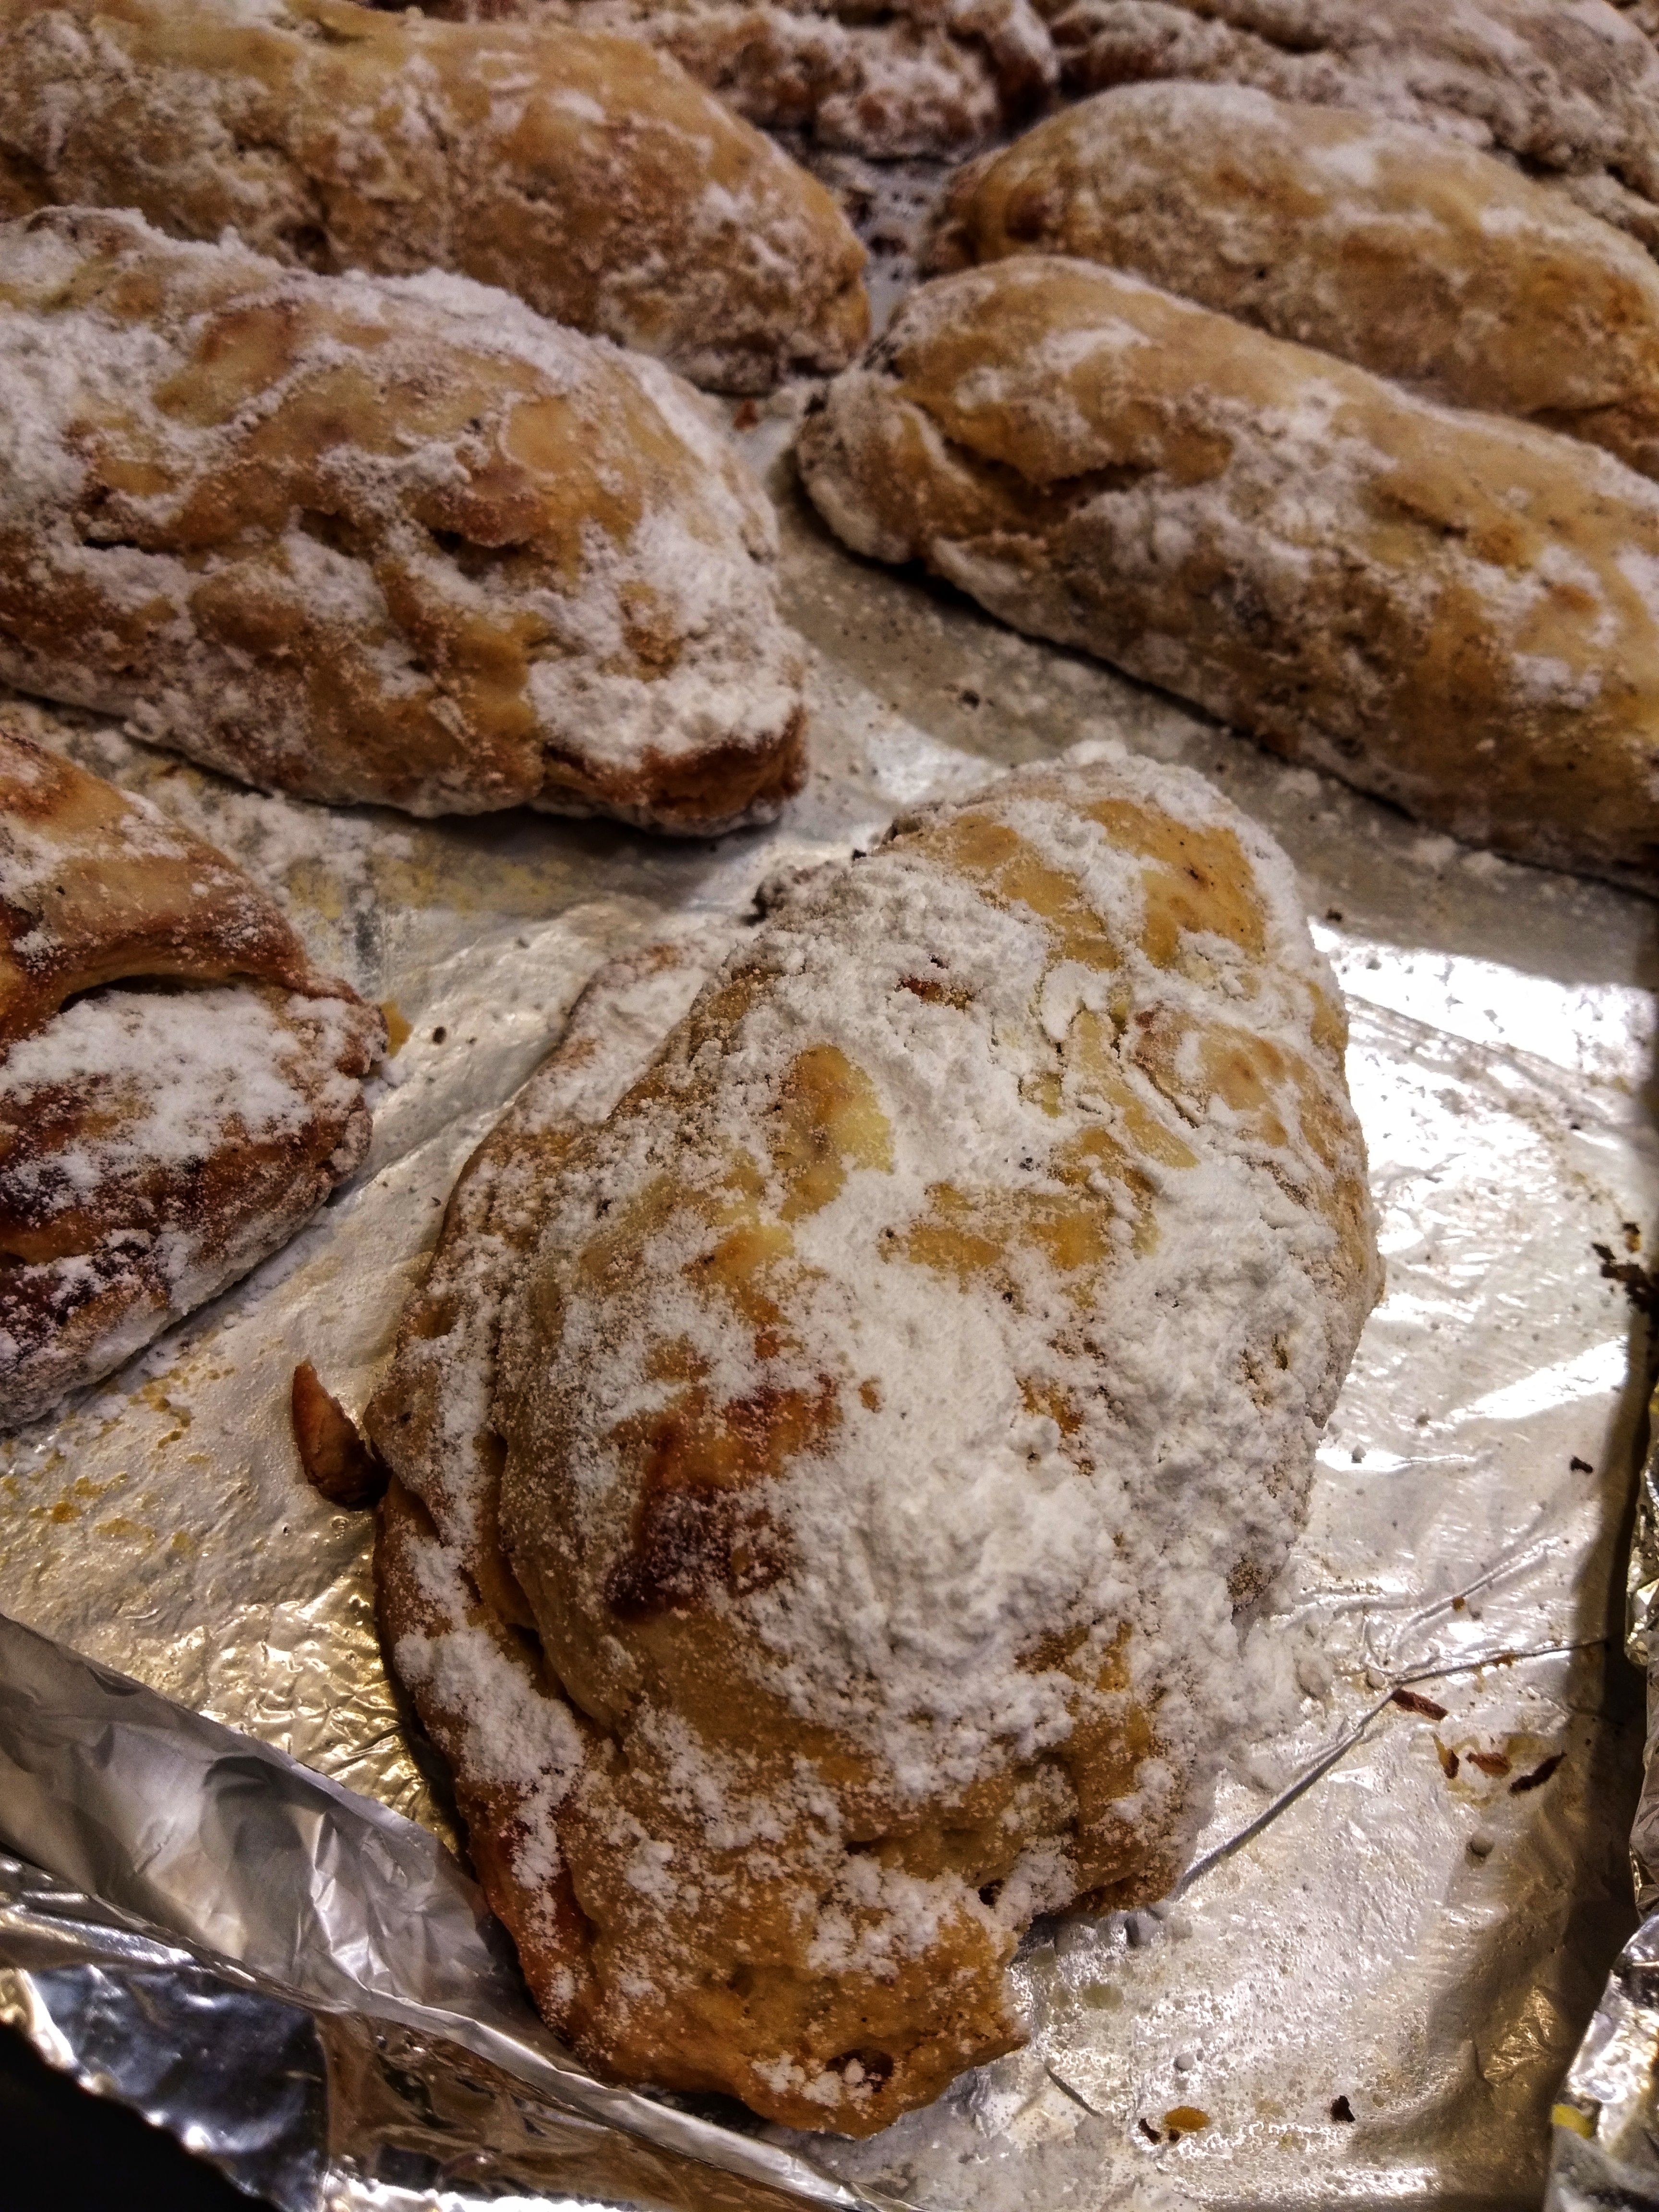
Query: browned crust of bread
point(1392, 246)
point(108, 907)
point(336, 137)
point(113, 889)
point(1450, 609)
point(356, 542)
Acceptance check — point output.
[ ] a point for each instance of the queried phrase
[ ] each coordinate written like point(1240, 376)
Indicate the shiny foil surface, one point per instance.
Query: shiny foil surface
point(1370, 1986)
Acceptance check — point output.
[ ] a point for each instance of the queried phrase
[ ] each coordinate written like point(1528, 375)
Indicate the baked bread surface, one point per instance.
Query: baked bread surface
point(1457, 611)
point(830, 1559)
point(585, 172)
point(921, 77)
point(379, 539)
point(1568, 87)
point(179, 1090)
point(1385, 244)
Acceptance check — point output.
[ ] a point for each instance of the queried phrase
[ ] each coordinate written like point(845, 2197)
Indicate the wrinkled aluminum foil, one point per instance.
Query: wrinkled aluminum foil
point(1607, 2116)
point(1371, 1982)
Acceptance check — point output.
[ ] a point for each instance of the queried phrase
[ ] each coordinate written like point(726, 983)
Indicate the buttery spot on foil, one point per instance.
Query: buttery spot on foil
point(1491, 1762)
point(122, 1528)
point(1185, 2120)
point(154, 1395)
point(397, 1030)
point(1449, 1761)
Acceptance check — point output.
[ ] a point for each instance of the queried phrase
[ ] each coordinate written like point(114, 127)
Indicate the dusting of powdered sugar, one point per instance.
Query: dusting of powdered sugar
point(916, 1597)
point(1567, 85)
point(696, 568)
point(164, 1078)
point(921, 77)
point(1368, 237)
point(122, 1123)
point(597, 183)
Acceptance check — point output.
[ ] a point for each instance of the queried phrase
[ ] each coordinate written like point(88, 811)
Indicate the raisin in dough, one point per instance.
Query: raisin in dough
point(823, 1554)
point(1376, 241)
point(379, 539)
point(1568, 87)
point(921, 77)
point(179, 1090)
point(1457, 611)
point(583, 171)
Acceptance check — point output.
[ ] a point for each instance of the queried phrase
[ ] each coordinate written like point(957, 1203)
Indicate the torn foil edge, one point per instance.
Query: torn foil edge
point(1605, 2151)
point(178, 1903)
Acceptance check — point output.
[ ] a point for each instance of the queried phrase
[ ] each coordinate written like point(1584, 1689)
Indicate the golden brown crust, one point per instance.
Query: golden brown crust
point(917, 77)
point(179, 1090)
point(96, 885)
point(1569, 87)
point(366, 540)
point(724, 1876)
point(583, 171)
point(1376, 241)
point(1454, 610)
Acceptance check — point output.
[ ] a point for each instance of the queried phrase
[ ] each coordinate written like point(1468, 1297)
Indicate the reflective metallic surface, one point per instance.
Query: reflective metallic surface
point(1606, 2115)
point(1371, 1985)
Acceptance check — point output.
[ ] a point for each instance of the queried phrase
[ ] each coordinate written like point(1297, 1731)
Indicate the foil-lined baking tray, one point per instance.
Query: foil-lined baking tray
point(1405, 1908)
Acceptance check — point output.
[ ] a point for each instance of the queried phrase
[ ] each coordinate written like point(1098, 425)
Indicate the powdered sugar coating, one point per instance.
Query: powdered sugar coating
point(1387, 244)
point(391, 538)
point(922, 77)
point(162, 1127)
point(903, 1385)
point(1570, 85)
point(583, 172)
point(154, 1144)
point(1453, 609)
point(163, 1078)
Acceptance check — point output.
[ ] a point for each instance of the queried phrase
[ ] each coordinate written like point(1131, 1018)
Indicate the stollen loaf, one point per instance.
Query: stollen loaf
point(1384, 243)
point(1454, 611)
point(379, 539)
point(583, 171)
point(931, 77)
point(839, 1438)
point(1569, 88)
point(179, 1088)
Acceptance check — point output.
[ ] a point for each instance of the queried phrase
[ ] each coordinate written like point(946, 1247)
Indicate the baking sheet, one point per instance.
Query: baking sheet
point(1418, 1948)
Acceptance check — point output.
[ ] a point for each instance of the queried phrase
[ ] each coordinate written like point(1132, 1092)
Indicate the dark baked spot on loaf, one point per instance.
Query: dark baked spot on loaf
point(695, 1528)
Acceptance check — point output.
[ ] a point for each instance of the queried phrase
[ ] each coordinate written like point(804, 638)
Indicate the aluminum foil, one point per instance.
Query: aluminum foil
point(1607, 2116)
point(1372, 1982)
